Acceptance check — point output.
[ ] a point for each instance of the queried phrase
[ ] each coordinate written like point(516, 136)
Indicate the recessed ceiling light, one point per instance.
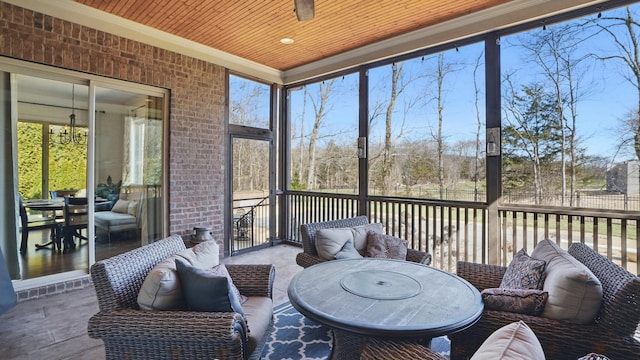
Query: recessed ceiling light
point(286, 41)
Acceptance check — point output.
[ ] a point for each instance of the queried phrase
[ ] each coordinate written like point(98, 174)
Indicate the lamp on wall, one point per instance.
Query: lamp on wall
point(493, 141)
point(70, 134)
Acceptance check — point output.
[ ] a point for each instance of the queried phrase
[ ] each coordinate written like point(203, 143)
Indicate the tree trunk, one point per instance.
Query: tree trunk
point(387, 179)
point(440, 140)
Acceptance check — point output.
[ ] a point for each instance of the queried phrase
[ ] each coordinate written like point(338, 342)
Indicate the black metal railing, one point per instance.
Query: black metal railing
point(613, 233)
point(250, 223)
point(458, 230)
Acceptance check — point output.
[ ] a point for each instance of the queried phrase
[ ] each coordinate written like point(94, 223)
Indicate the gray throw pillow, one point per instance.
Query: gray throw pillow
point(386, 246)
point(348, 251)
point(204, 291)
point(524, 272)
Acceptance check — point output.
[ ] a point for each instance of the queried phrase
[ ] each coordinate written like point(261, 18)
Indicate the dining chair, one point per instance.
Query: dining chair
point(46, 223)
point(76, 218)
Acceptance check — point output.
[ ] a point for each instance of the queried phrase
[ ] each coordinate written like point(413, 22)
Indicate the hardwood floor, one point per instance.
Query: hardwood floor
point(55, 327)
point(46, 261)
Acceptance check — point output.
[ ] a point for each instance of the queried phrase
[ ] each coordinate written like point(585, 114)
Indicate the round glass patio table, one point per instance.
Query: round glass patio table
point(391, 299)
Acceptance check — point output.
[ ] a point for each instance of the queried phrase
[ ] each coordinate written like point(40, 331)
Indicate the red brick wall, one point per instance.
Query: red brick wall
point(196, 108)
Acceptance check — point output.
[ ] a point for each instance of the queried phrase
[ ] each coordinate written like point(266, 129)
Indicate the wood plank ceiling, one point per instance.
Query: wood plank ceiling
point(252, 29)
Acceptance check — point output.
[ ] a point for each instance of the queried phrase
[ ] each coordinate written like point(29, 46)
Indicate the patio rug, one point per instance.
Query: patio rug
point(297, 337)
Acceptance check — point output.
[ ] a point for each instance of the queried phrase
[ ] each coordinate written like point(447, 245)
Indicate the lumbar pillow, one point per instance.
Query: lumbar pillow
point(348, 251)
point(386, 246)
point(161, 288)
point(513, 341)
point(524, 272)
point(330, 241)
point(522, 301)
point(360, 235)
point(204, 291)
point(575, 293)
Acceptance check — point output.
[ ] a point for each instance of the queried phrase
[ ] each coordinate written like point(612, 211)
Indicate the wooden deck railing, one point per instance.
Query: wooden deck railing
point(457, 230)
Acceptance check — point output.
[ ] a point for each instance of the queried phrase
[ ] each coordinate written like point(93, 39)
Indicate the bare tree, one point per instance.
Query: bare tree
point(554, 50)
point(479, 123)
point(396, 74)
point(387, 108)
point(320, 109)
point(301, 160)
point(627, 43)
point(443, 69)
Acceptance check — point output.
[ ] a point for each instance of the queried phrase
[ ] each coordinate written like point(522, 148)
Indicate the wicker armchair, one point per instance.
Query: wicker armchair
point(131, 333)
point(610, 334)
point(309, 255)
point(376, 349)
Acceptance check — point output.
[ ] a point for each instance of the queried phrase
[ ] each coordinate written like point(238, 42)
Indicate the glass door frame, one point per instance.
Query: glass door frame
point(14, 67)
point(241, 132)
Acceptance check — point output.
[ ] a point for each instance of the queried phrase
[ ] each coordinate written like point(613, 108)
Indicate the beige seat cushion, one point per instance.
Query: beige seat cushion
point(258, 311)
point(515, 341)
point(161, 288)
point(575, 293)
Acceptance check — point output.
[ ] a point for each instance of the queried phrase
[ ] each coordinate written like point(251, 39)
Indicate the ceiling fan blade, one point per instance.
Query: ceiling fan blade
point(304, 9)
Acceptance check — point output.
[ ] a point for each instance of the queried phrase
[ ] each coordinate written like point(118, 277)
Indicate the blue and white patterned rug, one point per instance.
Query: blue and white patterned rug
point(296, 337)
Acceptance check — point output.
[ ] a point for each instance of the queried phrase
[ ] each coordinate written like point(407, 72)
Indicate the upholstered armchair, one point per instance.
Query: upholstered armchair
point(611, 333)
point(310, 256)
point(131, 333)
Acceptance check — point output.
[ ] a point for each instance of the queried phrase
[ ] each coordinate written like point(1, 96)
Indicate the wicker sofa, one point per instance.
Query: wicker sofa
point(131, 333)
point(309, 255)
point(610, 334)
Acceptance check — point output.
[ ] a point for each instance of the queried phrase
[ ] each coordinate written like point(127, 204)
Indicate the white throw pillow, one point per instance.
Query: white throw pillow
point(360, 235)
point(515, 341)
point(330, 241)
point(121, 206)
point(132, 209)
point(575, 293)
point(161, 288)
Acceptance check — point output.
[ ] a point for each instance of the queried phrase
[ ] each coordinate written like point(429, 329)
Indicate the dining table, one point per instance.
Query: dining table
point(55, 206)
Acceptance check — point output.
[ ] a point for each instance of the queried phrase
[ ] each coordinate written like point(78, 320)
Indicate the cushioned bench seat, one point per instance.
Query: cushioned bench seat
point(122, 217)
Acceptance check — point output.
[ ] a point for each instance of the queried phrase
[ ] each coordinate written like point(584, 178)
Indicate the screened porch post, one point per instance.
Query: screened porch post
point(493, 163)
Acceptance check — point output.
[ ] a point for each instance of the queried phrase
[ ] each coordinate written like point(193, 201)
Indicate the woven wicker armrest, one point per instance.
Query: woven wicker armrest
point(253, 280)
point(417, 256)
point(305, 259)
point(173, 326)
point(389, 349)
point(481, 276)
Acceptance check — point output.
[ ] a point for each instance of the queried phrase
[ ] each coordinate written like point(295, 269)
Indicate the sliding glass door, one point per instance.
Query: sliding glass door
point(84, 171)
point(128, 169)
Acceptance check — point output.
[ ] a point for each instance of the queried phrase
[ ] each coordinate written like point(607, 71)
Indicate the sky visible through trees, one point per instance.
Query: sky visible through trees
point(574, 84)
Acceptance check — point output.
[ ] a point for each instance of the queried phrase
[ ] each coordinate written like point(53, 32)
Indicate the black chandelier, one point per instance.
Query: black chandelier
point(70, 134)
